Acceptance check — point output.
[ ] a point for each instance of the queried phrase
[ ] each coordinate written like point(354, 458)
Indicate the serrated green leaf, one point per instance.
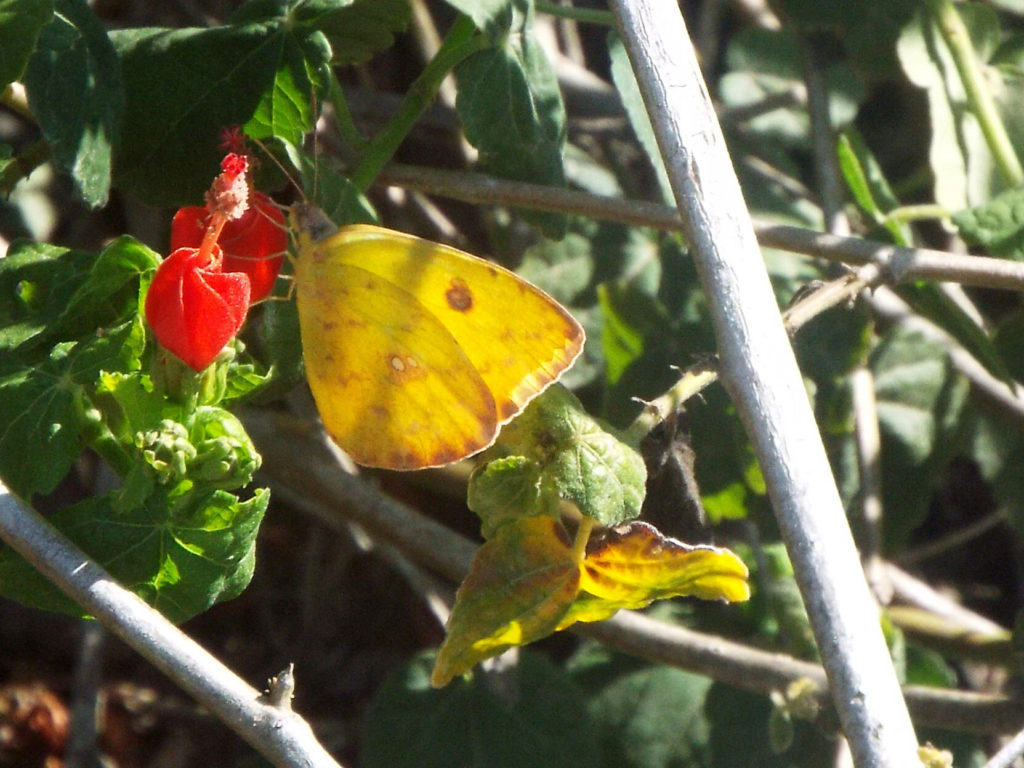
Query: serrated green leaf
point(998, 224)
point(183, 86)
point(37, 282)
point(508, 489)
point(471, 722)
point(519, 586)
point(180, 565)
point(287, 107)
point(21, 21)
point(74, 89)
point(109, 294)
point(512, 112)
point(356, 29)
point(579, 461)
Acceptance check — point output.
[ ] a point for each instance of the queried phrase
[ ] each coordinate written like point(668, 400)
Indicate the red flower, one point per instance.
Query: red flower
point(193, 307)
point(254, 243)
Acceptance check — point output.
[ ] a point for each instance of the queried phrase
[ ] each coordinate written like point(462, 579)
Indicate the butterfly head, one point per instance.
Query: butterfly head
point(309, 221)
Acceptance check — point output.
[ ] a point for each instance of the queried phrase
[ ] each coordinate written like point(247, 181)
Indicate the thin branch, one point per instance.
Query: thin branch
point(764, 383)
point(281, 736)
point(301, 469)
point(868, 439)
point(1011, 751)
point(899, 263)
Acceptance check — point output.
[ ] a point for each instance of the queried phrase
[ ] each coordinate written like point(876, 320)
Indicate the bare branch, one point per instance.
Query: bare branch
point(284, 738)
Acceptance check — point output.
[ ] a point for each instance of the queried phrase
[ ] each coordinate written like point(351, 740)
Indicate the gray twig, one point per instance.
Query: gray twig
point(760, 373)
point(282, 737)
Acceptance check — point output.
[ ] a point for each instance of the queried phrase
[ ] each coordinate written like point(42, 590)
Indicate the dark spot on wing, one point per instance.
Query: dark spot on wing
point(458, 295)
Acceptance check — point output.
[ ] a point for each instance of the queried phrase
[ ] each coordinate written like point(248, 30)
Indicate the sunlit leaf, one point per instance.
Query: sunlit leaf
point(520, 584)
point(578, 460)
point(635, 565)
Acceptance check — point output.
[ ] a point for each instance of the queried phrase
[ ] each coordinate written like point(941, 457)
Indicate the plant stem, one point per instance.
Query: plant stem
point(461, 42)
point(302, 471)
point(955, 33)
point(924, 212)
point(579, 544)
point(760, 374)
point(900, 263)
point(586, 15)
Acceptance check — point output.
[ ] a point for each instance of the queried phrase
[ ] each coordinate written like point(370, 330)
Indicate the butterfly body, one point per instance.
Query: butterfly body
point(416, 352)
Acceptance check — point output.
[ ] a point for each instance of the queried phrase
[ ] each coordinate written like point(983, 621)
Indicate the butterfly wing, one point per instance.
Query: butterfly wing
point(518, 338)
point(416, 352)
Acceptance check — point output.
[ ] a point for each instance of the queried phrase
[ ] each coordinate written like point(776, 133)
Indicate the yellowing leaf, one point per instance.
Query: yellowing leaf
point(520, 585)
point(636, 565)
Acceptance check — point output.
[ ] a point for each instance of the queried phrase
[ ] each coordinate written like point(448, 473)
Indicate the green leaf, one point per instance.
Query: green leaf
point(505, 490)
point(110, 292)
point(183, 86)
point(356, 29)
point(997, 225)
point(74, 89)
point(519, 586)
point(868, 185)
point(50, 293)
point(561, 268)
point(636, 111)
point(920, 402)
point(512, 112)
point(181, 564)
point(578, 460)
point(37, 282)
point(21, 21)
point(740, 736)
point(43, 406)
point(647, 715)
point(484, 13)
point(959, 157)
point(528, 715)
point(767, 63)
point(39, 438)
point(932, 302)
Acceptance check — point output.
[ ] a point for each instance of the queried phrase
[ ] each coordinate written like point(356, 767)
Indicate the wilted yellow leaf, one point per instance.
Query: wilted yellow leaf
point(636, 565)
point(521, 583)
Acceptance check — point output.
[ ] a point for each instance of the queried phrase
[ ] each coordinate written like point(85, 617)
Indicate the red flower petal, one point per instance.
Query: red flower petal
point(253, 244)
point(195, 310)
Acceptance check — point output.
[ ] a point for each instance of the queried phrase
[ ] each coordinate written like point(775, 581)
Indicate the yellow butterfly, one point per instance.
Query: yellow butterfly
point(416, 352)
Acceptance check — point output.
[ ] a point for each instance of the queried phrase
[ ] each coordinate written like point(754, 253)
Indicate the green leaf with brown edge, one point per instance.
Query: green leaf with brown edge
point(520, 584)
point(636, 565)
